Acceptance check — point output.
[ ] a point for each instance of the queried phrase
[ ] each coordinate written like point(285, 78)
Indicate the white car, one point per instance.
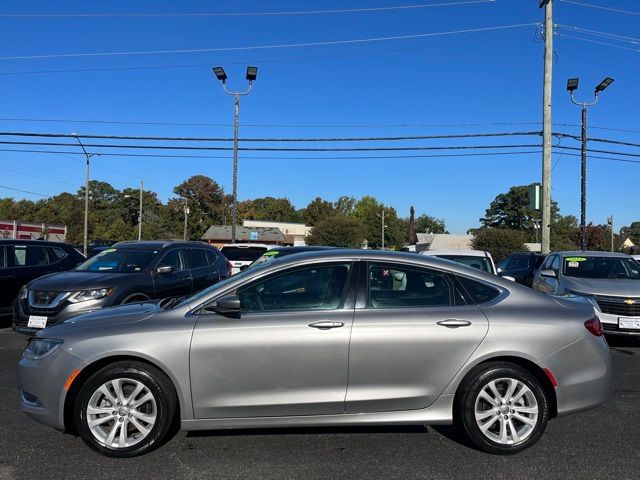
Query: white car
point(636, 257)
point(243, 254)
point(478, 259)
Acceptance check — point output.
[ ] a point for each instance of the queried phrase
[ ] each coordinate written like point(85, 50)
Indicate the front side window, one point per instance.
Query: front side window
point(601, 267)
point(196, 258)
point(393, 286)
point(309, 288)
point(29, 256)
point(116, 260)
point(3, 257)
point(555, 264)
point(171, 259)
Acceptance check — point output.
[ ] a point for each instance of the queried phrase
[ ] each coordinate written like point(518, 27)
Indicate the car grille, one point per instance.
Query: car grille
point(623, 306)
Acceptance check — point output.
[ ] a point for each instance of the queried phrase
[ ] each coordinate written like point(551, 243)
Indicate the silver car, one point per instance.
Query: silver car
point(342, 337)
point(610, 281)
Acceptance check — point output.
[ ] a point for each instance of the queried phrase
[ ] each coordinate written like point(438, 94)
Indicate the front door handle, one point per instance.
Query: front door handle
point(326, 325)
point(454, 323)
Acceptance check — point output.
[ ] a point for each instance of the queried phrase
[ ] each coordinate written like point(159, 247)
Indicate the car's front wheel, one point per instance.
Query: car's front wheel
point(125, 409)
point(502, 408)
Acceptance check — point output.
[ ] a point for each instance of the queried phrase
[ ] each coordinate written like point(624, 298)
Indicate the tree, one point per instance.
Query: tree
point(317, 210)
point(428, 224)
point(338, 231)
point(499, 242)
point(345, 206)
point(369, 212)
point(511, 210)
point(632, 232)
point(598, 237)
point(208, 204)
point(270, 208)
point(563, 233)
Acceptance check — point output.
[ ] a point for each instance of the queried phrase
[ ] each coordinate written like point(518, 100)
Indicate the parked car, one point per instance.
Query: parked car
point(336, 337)
point(636, 257)
point(276, 253)
point(477, 259)
point(125, 273)
point(23, 260)
point(243, 254)
point(520, 266)
point(610, 281)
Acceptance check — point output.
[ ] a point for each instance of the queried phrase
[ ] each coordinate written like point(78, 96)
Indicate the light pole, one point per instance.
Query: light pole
point(252, 73)
point(382, 227)
point(85, 242)
point(572, 86)
point(140, 210)
point(610, 222)
point(186, 213)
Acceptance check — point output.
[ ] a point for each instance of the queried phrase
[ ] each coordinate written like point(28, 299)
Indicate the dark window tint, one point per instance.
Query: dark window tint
point(555, 264)
point(171, 259)
point(312, 288)
point(397, 286)
point(240, 254)
point(3, 257)
point(547, 262)
point(479, 263)
point(602, 268)
point(196, 258)
point(518, 263)
point(29, 256)
point(479, 292)
point(212, 257)
point(118, 260)
point(56, 253)
point(538, 262)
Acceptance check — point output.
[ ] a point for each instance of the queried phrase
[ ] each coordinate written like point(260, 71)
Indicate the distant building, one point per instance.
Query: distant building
point(16, 229)
point(534, 247)
point(294, 233)
point(219, 235)
point(443, 241)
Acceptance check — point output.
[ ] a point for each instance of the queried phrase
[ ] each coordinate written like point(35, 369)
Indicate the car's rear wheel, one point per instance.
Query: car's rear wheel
point(502, 408)
point(125, 409)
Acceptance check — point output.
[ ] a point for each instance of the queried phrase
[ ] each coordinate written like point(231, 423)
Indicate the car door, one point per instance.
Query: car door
point(548, 285)
point(202, 274)
point(173, 283)
point(7, 281)
point(29, 262)
point(285, 354)
point(412, 332)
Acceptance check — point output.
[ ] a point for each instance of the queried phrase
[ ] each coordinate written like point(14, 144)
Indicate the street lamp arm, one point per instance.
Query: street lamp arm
point(229, 92)
point(585, 104)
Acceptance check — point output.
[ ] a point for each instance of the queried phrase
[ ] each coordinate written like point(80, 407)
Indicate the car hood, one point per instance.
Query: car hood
point(129, 313)
point(604, 286)
point(71, 281)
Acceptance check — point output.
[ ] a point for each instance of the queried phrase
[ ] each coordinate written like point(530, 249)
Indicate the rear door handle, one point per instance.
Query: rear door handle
point(326, 325)
point(454, 323)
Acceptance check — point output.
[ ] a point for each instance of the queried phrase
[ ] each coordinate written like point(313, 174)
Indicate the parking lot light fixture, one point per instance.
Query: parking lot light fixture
point(603, 85)
point(252, 73)
point(572, 84)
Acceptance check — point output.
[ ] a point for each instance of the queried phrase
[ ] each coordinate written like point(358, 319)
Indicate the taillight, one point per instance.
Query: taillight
point(594, 326)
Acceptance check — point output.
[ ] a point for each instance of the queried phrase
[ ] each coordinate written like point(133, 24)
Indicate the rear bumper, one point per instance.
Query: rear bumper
point(584, 374)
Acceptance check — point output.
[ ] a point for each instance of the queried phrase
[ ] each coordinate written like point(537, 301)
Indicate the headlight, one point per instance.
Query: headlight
point(41, 347)
point(24, 291)
point(86, 295)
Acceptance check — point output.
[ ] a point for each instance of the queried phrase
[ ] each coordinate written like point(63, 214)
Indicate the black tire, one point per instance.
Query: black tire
point(465, 407)
point(165, 408)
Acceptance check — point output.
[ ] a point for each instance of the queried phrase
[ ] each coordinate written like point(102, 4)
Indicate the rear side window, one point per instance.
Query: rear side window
point(212, 257)
point(29, 256)
point(518, 263)
point(3, 257)
point(479, 292)
point(171, 259)
point(196, 258)
point(56, 253)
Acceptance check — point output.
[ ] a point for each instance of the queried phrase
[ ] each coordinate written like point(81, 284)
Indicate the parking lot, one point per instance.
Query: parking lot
point(600, 443)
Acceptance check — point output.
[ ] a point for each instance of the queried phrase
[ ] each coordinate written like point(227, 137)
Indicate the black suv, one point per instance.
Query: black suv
point(124, 273)
point(520, 266)
point(23, 260)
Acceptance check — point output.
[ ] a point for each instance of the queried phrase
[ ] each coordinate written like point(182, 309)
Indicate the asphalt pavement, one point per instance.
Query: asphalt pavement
point(598, 444)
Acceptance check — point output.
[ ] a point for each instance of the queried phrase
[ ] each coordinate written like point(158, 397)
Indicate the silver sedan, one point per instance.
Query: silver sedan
point(323, 338)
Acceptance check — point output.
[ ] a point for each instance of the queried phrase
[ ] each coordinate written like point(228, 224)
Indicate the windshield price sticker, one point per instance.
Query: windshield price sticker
point(575, 259)
point(574, 264)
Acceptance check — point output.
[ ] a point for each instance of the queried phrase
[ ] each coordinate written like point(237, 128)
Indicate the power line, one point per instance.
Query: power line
point(277, 46)
point(24, 191)
point(244, 14)
point(598, 42)
point(622, 38)
point(600, 7)
point(316, 139)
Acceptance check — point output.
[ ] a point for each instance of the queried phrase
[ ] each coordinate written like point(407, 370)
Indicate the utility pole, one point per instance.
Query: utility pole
point(85, 243)
point(383, 229)
point(546, 125)
point(140, 213)
point(186, 213)
point(252, 73)
point(572, 86)
point(612, 235)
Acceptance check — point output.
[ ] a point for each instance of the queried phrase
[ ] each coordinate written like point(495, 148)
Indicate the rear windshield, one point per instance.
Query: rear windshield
point(242, 254)
point(601, 267)
point(118, 261)
point(480, 263)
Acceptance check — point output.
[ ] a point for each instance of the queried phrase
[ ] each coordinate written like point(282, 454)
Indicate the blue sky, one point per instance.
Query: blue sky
point(483, 78)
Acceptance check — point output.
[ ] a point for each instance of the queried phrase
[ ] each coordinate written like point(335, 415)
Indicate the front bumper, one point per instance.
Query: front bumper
point(41, 385)
point(22, 311)
point(610, 325)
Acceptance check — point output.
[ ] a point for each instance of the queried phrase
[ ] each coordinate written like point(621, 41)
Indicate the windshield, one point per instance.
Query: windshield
point(602, 267)
point(266, 257)
point(479, 263)
point(118, 260)
point(242, 254)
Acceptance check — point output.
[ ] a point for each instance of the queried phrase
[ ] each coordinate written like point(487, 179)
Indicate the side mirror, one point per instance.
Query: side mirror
point(507, 277)
point(548, 274)
point(499, 270)
point(165, 269)
point(225, 306)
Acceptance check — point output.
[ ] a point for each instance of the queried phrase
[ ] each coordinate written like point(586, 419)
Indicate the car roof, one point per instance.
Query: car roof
point(18, 241)
point(302, 248)
point(159, 245)
point(591, 253)
point(466, 253)
point(247, 245)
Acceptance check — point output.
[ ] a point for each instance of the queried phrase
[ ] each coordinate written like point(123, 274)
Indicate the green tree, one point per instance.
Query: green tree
point(499, 242)
point(369, 212)
point(345, 205)
point(338, 231)
point(632, 232)
point(317, 210)
point(208, 204)
point(270, 208)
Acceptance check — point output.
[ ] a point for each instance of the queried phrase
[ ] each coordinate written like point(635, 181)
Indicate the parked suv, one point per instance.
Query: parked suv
point(23, 260)
point(610, 281)
point(125, 273)
point(243, 254)
point(520, 266)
